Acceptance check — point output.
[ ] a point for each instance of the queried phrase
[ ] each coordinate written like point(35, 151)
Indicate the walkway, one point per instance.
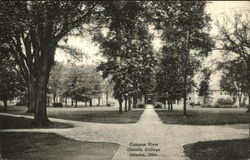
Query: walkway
point(168, 139)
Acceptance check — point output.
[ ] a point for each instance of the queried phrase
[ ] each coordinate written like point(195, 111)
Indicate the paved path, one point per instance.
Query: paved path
point(168, 138)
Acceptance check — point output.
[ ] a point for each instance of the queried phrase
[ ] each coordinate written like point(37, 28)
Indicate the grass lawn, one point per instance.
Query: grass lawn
point(98, 116)
point(48, 146)
point(8, 122)
point(237, 149)
point(204, 116)
point(90, 114)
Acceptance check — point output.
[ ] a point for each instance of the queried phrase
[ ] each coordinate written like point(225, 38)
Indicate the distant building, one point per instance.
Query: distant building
point(193, 98)
point(215, 93)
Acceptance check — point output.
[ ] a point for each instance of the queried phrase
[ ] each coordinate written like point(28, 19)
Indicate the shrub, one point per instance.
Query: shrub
point(57, 104)
point(223, 101)
point(140, 106)
point(191, 104)
point(206, 106)
point(108, 104)
point(158, 105)
point(21, 103)
point(24, 100)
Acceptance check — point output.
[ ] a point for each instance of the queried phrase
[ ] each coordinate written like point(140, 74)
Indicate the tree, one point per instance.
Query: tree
point(33, 30)
point(11, 84)
point(204, 84)
point(55, 80)
point(107, 89)
point(233, 39)
point(185, 36)
point(82, 83)
point(128, 50)
point(234, 78)
point(168, 79)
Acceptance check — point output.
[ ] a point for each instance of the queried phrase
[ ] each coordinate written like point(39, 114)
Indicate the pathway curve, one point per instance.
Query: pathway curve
point(169, 138)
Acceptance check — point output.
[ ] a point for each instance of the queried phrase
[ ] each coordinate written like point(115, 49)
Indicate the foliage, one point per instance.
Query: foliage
point(11, 84)
point(127, 47)
point(204, 85)
point(55, 80)
point(33, 30)
point(140, 105)
point(234, 76)
point(223, 101)
point(57, 104)
point(82, 83)
point(233, 38)
point(158, 105)
point(185, 37)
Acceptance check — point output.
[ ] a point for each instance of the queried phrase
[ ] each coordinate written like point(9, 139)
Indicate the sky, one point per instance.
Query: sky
point(216, 9)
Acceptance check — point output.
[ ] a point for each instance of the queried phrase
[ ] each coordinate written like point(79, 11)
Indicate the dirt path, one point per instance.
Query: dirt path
point(167, 139)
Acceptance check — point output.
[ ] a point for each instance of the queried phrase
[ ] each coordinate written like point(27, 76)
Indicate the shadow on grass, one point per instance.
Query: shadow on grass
point(196, 117)
point(112, 117)
point(49, 146)
point(8, 122)
point(237, 149)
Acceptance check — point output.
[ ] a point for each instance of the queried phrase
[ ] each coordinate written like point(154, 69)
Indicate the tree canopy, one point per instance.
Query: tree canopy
point(127, 47)
point(11, 82)
point(185, 37)
point(233, 38)
point(33, 30)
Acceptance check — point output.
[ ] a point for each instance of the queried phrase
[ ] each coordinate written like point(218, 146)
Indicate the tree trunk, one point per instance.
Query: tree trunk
point(134, 101)
point(90, 102)
point(205, 100)
point(186, 60)
point(107, 98)
point(168, 105)
point(54, 98)
point(171, 105)
point(248, 110)
point(164, 102)
point(40, 118)
point(5, 105)
point(72, 101)
point(184, 105)
point(31, 105)
point(47, 100)
point(75, 103)
point(239, 97)
point(248, 81)
point(126, 104)
point(86, 103)
point(185, 95)
point(66, 101)
point(120, 106)
point(29, 95)
point(99, 101)
point(29, 100)
point(129, 104)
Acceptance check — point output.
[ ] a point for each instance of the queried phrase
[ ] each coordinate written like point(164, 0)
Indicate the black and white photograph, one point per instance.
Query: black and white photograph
point(124, 80)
